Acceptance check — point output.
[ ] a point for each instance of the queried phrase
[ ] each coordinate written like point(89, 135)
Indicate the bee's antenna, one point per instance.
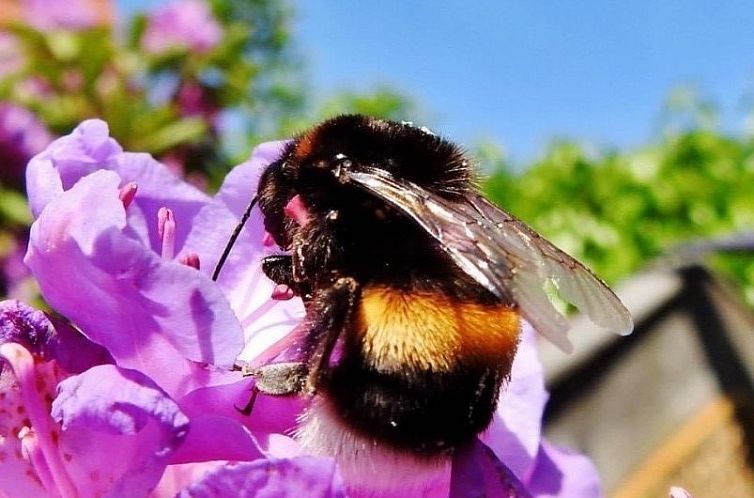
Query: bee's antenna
point(233, 237)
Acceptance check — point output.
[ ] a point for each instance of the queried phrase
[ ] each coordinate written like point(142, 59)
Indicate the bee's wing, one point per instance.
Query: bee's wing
point(503, 254)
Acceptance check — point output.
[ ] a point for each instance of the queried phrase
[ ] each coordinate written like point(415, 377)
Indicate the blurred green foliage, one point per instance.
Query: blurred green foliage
point(617, 211)
point(70, 75)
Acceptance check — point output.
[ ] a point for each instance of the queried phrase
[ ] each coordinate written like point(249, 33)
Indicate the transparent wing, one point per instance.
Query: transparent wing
point(503, 254)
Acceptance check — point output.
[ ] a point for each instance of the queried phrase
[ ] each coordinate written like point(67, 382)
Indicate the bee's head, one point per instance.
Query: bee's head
point(314, 171)
point(277, 186)
point(295, 189)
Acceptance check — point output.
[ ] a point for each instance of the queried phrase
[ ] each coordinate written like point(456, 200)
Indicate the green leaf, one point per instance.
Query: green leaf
point(13, 208)
point(186, 130)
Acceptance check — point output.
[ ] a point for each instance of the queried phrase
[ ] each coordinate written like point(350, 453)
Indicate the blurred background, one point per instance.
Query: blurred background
point(624, 132)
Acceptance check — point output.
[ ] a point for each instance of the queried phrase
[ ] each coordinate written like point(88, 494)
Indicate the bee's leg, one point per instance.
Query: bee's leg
point(276, 379)
point(279, 269)
point(279, 379)
point(334, 311)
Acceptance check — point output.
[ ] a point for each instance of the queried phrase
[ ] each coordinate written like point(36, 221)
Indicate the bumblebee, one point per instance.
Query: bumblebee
point(415, 285)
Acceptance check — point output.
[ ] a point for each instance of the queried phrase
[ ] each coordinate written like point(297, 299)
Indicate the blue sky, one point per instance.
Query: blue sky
point(522, 73)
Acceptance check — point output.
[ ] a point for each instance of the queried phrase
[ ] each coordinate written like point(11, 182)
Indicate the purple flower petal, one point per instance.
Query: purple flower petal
point(202, 227)
point(177, 477)
point(241, 183)
point(559, 473)
point(274, 478)
point(515, 433)
point(270, 414)
point(73, 351)
point(248, 289)
point(118, 424)
point(158, 188)
point(43, 184)
point(478, 472)
point(68, 159)
point(217, 438)
point(219, 431)
point(90, 148)
point(158, 313)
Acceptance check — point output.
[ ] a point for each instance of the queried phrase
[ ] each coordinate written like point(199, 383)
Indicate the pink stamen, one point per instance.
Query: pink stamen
point(282, 292)
point(127, 193)
point(33, 452)
point(190, 259)
point(260, 311)
point(166, 231)
point(268, 240)
point(22, 364)
point(296, 210)
point(288, 341)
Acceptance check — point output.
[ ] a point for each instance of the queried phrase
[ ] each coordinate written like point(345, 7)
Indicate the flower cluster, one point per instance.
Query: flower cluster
point(143, 344)
point(168, 79)
point(71, 15)
point(181, 25)
point(162, 87)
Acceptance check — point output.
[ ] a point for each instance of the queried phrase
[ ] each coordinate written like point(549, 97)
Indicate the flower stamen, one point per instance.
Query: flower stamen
point(267, 240)
point(191, 259)
point(263, 308)
point(127, 193)
point(166, 231)
point(33, 452)
point(282, 292)
point(296, 210)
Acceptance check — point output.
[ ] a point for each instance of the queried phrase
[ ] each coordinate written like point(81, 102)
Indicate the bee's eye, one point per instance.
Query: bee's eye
point(288, 170)
point(343, 161)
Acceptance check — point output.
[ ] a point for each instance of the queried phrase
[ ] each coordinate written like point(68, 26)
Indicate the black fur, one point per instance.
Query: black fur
point(355, 236)
point(428, 413)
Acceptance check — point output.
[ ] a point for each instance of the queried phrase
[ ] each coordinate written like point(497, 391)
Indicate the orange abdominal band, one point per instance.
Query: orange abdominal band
point(431, 332)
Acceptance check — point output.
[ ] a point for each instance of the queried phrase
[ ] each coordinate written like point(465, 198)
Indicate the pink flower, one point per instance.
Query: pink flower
point(11, 59)
point(181, 25)
point(48, 15)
